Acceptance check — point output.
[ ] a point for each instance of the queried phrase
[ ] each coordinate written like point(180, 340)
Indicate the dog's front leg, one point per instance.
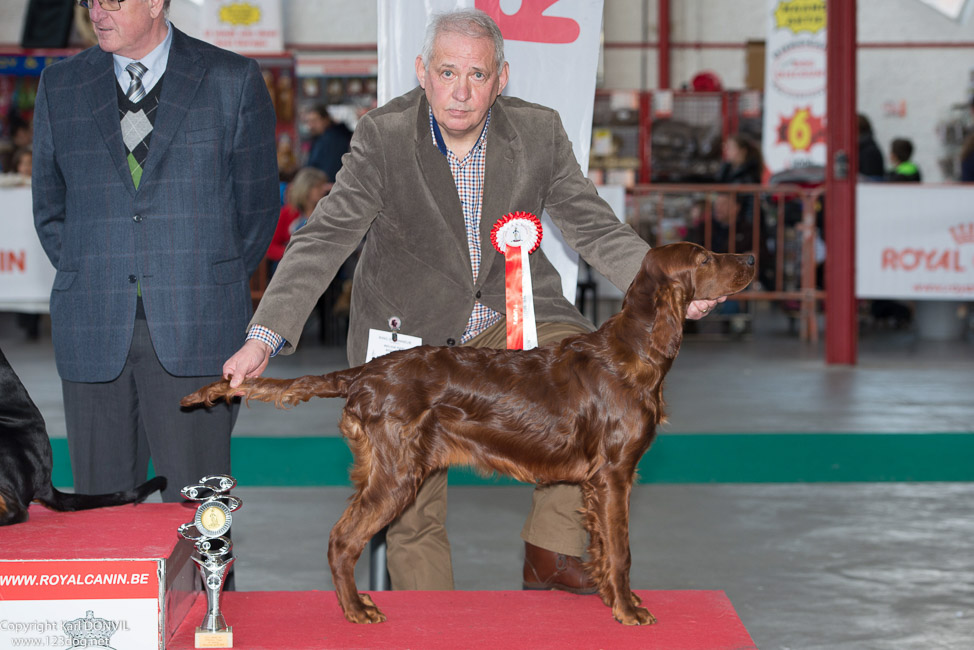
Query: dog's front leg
point(615, 535)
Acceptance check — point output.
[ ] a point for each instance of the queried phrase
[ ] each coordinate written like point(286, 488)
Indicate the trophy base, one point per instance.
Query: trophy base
point(218, 639)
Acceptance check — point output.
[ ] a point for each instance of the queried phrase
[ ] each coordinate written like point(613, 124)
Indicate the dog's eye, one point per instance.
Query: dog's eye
point(705, 260)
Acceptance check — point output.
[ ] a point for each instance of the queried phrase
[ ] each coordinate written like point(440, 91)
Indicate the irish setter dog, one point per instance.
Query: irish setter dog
point(583, 411)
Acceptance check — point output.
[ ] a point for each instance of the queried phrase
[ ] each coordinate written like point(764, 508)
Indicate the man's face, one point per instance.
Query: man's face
point(314, 122)
point(132, 31)
point(461, 84)
point(725, 209)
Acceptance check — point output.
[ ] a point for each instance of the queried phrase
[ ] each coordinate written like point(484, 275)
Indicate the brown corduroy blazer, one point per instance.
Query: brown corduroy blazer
point(395, 189)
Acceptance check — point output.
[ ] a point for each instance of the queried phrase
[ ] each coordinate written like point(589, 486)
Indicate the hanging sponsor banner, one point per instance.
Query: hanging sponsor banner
point(243, 26)
point(26, 275)
point(794, 92)
point(552, 47)
point(914, 241)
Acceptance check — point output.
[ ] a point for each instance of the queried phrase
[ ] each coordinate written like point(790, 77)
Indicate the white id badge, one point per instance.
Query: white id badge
point(381, 343)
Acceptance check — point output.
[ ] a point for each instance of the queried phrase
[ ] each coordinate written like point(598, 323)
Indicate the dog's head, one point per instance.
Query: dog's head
point(694, 272)
point(673, 276)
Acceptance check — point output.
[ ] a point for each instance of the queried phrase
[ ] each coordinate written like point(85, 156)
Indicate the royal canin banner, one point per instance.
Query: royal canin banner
point(914, 241)
point(794, 87)
point(26, 275)
point(552, 47)
point(80, 603)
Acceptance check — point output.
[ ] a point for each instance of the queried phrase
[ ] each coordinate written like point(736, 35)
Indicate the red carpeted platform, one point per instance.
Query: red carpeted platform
point(75, 551)
point(147, 530)
point(688, 620)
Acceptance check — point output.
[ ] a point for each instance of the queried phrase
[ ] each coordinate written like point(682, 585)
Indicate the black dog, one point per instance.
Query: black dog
point(26, 459)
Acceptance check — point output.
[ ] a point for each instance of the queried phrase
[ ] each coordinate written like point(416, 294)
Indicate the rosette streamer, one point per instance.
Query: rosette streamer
point(516, 236)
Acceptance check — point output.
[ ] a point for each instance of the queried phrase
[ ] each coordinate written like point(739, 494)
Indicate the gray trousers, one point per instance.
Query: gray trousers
point(115, 427)
point(418, 551)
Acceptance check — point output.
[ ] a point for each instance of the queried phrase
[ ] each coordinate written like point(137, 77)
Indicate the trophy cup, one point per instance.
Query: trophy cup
point(207, 530)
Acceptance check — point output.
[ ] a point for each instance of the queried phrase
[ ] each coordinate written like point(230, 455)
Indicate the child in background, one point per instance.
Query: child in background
point(904, 170)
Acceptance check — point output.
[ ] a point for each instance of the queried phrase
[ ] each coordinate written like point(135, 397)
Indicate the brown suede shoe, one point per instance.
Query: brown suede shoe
point(544, 569)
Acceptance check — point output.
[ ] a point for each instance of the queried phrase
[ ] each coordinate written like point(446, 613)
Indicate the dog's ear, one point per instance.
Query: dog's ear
point(671, 306)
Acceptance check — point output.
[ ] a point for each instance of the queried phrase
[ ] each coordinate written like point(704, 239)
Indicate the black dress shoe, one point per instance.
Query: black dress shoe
point(544, 569)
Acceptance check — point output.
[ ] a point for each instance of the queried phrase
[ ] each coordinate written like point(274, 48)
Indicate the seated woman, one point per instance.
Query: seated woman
point(302, 195)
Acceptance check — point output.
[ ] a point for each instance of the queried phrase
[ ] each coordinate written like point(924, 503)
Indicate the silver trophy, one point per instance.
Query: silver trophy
point(206, 531)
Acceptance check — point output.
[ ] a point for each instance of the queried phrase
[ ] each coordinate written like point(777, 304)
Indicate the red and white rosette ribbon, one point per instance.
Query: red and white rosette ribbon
point(516, 236)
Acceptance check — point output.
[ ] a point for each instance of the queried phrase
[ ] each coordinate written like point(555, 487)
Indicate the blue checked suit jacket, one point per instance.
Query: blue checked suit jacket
point(190, 236)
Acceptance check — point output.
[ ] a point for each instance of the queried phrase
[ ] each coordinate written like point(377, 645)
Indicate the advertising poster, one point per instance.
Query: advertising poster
point(794, 93)
point(79, 604)
point(914, 242)
point(246, 27)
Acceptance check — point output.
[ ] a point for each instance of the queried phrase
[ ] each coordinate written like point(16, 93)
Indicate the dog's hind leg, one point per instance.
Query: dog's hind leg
point(11, 510)
point(593, 496)
point(382, 493)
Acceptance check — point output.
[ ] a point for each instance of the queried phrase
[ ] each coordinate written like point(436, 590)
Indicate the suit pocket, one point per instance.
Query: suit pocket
point(203, 135)
point(229, 271)
point(64, 279)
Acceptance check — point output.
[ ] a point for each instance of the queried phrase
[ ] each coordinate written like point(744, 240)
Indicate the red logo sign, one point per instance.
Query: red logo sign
point(529, 22)
point(963, 233)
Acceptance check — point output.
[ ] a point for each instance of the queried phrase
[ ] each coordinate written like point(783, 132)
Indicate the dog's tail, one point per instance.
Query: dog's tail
point(65, 502)
point(282, 392)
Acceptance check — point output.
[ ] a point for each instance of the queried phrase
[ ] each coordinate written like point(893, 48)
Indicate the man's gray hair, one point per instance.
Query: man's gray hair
point(473, 23)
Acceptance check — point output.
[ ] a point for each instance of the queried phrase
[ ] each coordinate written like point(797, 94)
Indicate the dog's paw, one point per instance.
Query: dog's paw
point(367, 612)
point(633, 616)
point(609, 599)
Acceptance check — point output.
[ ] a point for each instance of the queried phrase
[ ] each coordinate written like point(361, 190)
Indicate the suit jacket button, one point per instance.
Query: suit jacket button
point(451, 342)
point(137, 218)
point(478, 295)
point(133, 279)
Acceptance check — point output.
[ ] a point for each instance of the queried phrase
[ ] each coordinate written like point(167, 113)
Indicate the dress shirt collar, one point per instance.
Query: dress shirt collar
point(438, 137)
point(155, 61)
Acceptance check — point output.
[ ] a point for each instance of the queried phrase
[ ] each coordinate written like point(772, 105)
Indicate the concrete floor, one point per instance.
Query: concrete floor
point(824, 565)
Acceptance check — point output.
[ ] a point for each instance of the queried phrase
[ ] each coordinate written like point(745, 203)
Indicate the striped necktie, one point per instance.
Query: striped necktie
point(136, 90)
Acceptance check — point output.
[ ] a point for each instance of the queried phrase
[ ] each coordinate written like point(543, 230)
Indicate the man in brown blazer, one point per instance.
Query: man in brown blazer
point(427, 177)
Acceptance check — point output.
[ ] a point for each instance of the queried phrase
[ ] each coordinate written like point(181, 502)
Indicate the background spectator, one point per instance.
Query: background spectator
point(870, 157)
point(904, 170)
point(21, 135)
point(967, 155)
point(742, 161)
point(331, 140)
point(301, 197)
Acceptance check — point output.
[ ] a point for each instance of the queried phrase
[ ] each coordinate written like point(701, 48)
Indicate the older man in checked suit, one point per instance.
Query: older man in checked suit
point(155, 196)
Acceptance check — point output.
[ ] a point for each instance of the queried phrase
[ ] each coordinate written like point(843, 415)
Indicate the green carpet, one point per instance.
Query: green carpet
point(673, 458)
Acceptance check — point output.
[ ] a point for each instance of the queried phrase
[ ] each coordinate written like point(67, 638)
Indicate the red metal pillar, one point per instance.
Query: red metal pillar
point(663, 55)
point(842, 166)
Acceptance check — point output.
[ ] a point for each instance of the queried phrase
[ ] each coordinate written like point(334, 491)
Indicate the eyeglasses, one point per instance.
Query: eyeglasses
point(107, 5)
